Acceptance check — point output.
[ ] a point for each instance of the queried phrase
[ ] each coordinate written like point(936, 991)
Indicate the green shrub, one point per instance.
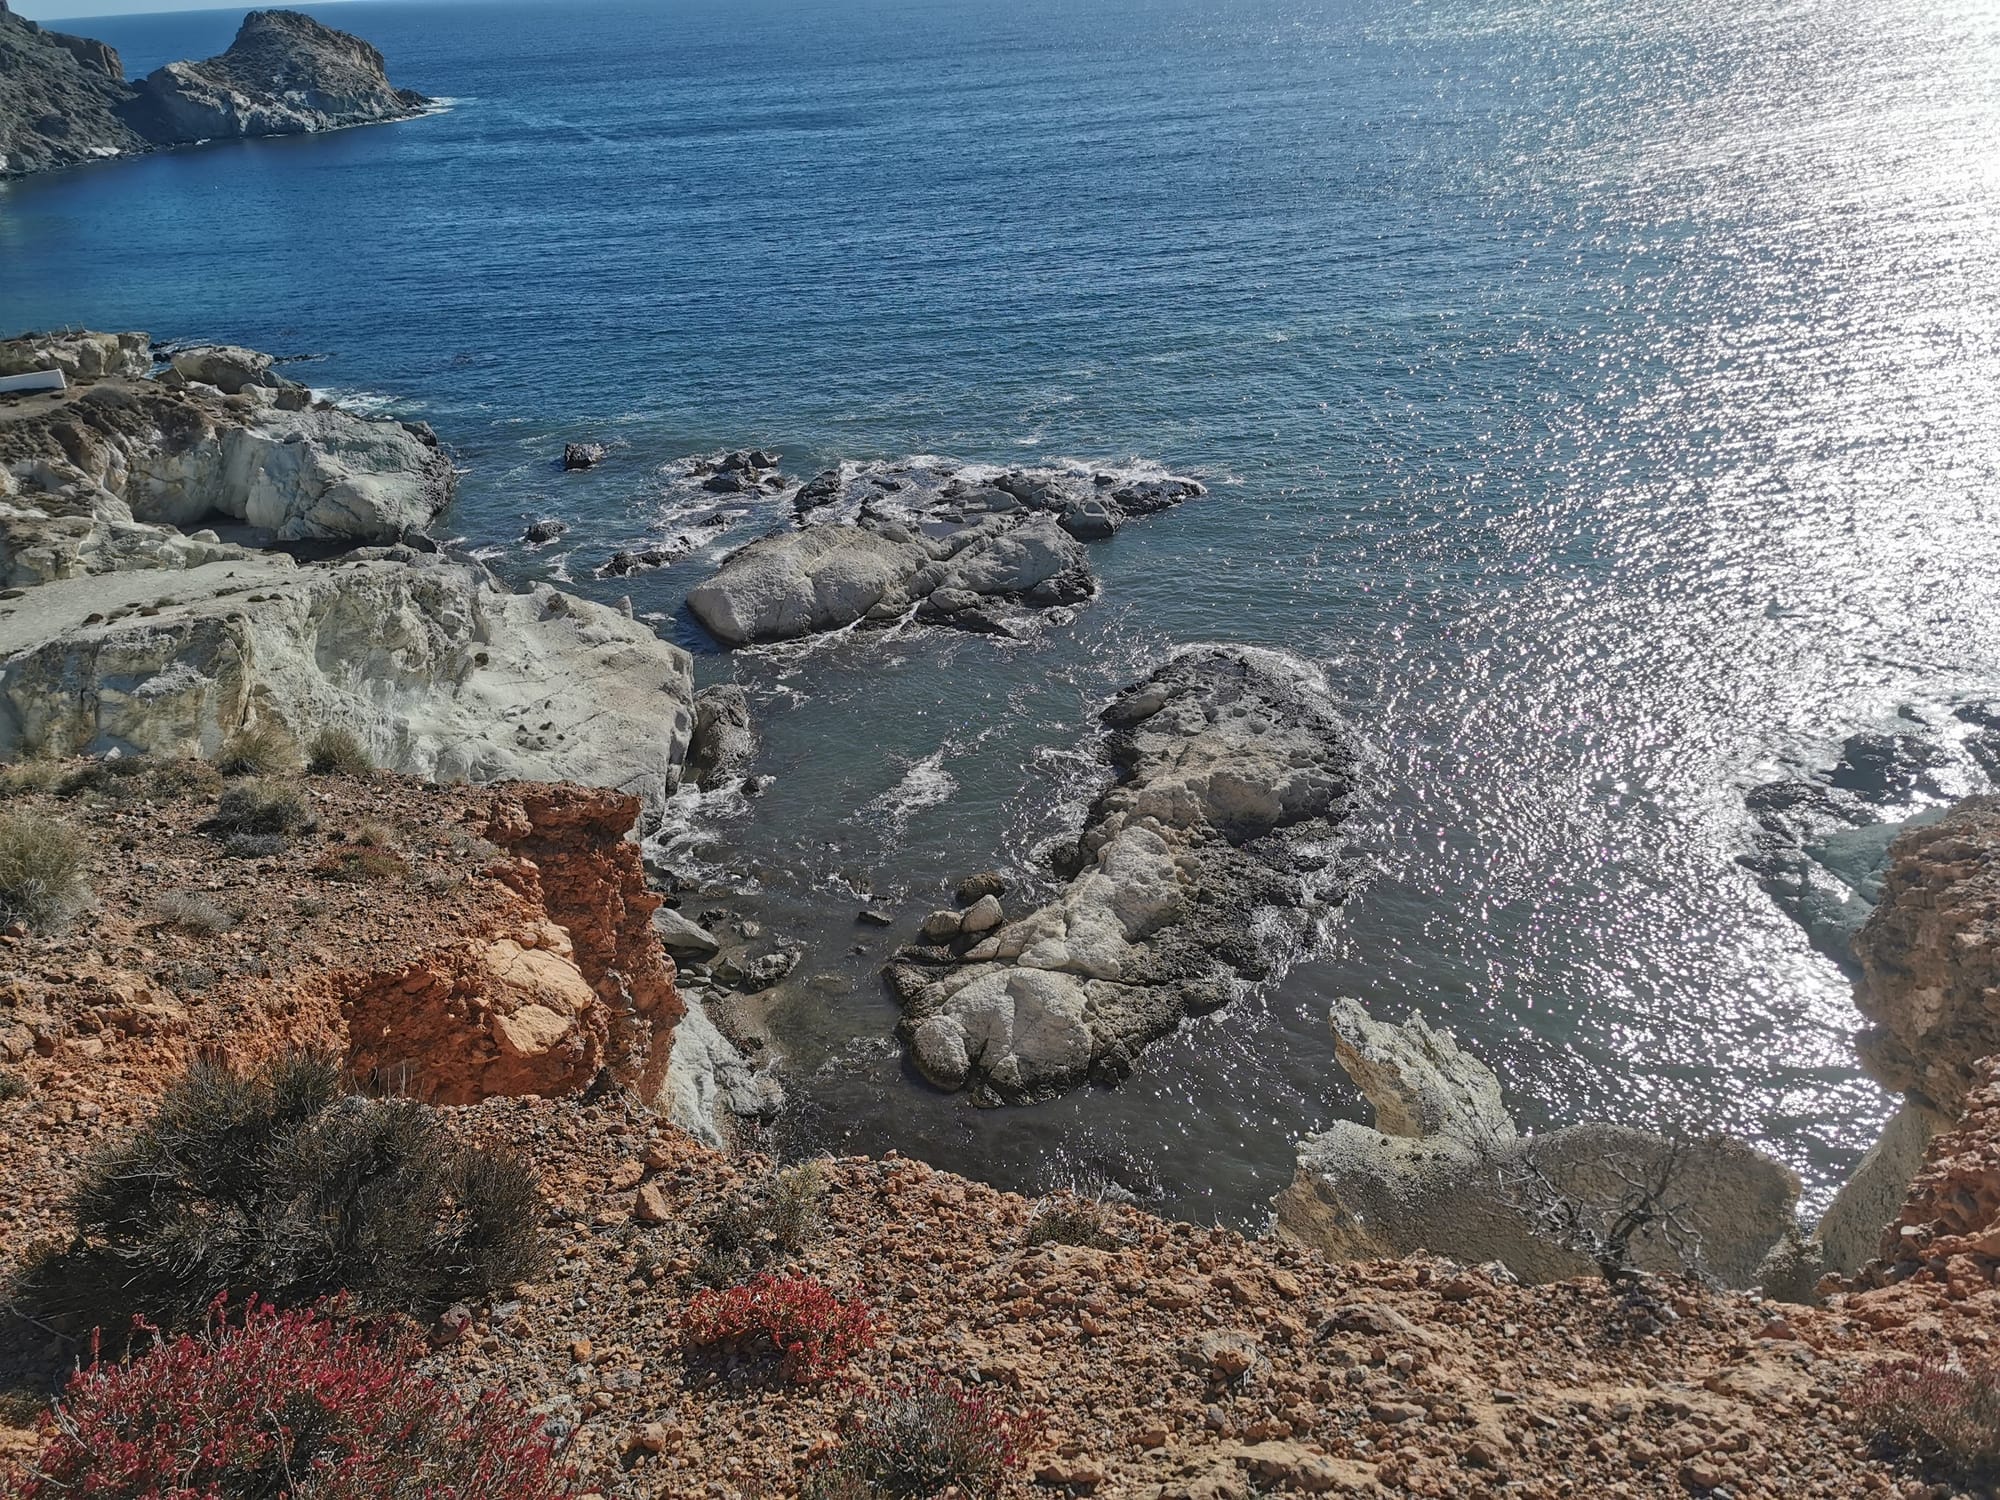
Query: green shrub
point(337, 752)
point(42, 883)
point(12, 1086)
point(278, 1184)
point(263, 749)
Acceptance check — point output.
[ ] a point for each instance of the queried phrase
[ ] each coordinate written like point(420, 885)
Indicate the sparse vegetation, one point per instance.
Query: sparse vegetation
point(190, 911)
point(254, 810)
point(12, 1086)
point(762, 1224)
point(282, 1185)
point(922, 1438)
point(359, 862)
point(26, 778)
point(42, 884)
point(286, 1406)
point(790, 1327)
point(1944, 1414)
point(1071, 1219)
point(1650, 1208)
point(337, 752)
point(117, 776)
point(262, 749)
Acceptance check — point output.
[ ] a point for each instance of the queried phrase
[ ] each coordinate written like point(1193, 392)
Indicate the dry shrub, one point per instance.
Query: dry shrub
point(190, 911)
point(286, 1406)
point(1071, 1219)
point(262, 749)
point(27, 778)
point(42, 884)
point(762, 1224)
point(356, 863)
point(279, 1184)
point(12, 1086)
point(337, 752)
point(255, 811)
point(921, 1438)
point(1947, 1415)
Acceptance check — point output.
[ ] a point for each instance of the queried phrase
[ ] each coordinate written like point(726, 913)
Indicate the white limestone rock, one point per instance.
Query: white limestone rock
point(1199, 873)
point(438, 670)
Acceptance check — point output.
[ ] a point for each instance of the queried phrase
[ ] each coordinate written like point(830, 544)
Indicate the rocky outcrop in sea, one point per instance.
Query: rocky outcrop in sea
point(64, 100)
point(875, 544)
point(1196, 875)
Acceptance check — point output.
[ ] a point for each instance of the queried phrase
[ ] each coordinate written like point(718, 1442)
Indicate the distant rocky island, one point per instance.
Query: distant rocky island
point(65, 100)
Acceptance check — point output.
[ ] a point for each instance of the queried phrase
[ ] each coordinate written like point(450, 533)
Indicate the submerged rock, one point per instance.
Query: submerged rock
point(1446, 1171)
point(1197, 874)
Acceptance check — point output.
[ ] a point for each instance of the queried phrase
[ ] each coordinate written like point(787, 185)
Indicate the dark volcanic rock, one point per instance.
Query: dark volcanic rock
point(285, 74)
point(61, 99)
point(1199, 872)
point(582, 455)
point(542, 532)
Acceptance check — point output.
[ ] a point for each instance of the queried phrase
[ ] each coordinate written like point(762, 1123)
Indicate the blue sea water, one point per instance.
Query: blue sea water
point(1607, 394)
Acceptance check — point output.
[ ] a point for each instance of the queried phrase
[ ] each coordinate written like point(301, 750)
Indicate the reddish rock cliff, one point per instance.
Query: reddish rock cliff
point(1930, 959)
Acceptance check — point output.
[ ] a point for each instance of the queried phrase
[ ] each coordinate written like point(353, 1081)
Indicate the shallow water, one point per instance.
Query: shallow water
point(1607, 394)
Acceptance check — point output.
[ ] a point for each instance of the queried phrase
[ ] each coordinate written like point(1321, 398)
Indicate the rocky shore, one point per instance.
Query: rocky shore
point(451, 900)
point(1195, 875)
point(501, 950)
point(65, 101)
point(123, 631)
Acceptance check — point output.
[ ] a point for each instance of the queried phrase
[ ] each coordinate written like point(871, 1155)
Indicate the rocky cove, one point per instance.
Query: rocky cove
point(533, 953)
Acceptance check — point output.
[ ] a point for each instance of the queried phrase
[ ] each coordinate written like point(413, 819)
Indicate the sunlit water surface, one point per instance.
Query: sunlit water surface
point(1608, 394)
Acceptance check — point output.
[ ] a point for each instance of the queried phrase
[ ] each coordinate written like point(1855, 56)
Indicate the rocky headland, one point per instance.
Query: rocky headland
point(65, 101)
point(129, 624)
point(1194, 876)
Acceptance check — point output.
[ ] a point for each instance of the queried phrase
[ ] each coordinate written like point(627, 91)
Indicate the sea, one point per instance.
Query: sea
point(1604, 393)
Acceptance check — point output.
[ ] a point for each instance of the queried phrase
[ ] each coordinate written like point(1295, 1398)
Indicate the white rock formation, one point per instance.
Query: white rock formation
point(436, 669)
point(1446, 1171)
point(1198, 873)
